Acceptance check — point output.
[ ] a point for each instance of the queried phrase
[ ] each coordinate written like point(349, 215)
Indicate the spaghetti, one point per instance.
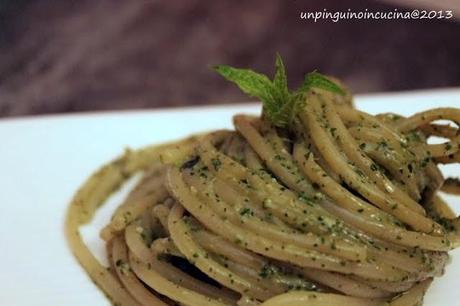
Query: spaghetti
point(340, 208)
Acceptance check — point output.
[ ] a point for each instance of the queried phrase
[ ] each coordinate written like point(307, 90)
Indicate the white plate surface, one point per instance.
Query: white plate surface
point(43, 160)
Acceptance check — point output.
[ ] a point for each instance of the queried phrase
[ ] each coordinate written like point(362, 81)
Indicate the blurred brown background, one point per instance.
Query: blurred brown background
point(65, 56)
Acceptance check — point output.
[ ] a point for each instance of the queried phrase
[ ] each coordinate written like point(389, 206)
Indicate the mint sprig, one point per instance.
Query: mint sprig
point(279, 104)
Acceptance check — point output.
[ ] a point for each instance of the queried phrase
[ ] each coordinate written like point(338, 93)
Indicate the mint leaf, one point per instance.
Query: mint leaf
point(284, 114)
point(280, 79)
point(250, 82)
point(280, 113)
point(317, 80)
point(258, 85)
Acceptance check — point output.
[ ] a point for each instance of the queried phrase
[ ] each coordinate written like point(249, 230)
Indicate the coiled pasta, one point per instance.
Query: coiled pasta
point(343, 208)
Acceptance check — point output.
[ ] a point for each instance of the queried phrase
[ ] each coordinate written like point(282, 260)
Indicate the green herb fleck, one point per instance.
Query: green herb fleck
point(216, 163)
point(267, 270)
point(246, 212)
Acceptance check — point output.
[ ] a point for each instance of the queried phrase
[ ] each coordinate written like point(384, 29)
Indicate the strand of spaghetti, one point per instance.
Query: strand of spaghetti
point(423, 118)
point(299, 298)
point(394, 287)
point(426, 117)
point(452, 186)
point(446, 149)
point(140, 250)
point(129, 212)
point(303, 135)
point(344, 284)
point(128, 278)
point(353, 116)
point(413, 296)
point(275, 285)
point(162, 212)
point(220, 246)
point(180, 234)
point(143, 196)
point(440, 130)
point(235, 149)
point(163, 286)
point(82, 208)
point(165, 246)
point(449, 159)
point(247, 301)
point(442, 208)
point(151, 178)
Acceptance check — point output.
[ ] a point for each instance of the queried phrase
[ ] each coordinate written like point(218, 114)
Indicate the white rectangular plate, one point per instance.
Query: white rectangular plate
point(43, 160)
